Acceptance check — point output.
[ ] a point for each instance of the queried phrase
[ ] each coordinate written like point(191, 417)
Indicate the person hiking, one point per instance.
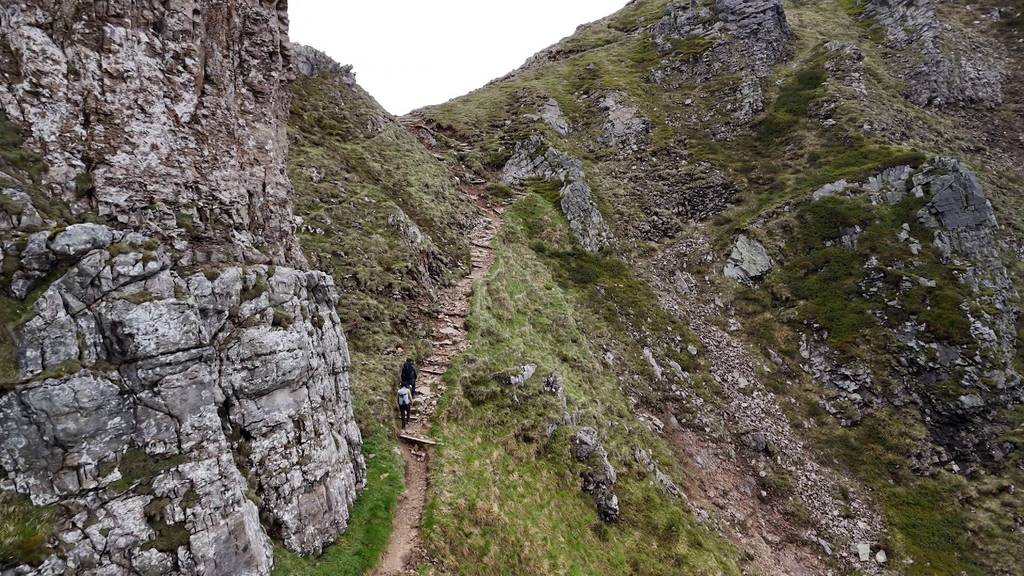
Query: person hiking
point(409, 375)
point(404, 403)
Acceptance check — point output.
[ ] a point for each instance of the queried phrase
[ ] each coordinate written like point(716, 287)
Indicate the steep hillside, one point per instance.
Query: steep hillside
point(380, 213)
point(820, 198)
point(708, 287)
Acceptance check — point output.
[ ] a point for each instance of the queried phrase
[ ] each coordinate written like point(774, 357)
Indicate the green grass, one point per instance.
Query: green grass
point(552, 305)
point(24, 531)
point(359, 548)
point(826, 282)
point(506, 497)
point(691, 47)
point(854, 8)
point(788, 154)
point(637, 14)
point(789, 110)
point(14, 155)
point(926, 522)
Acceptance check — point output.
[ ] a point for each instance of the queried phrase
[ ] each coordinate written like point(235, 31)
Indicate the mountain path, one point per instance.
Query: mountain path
point(448, 338)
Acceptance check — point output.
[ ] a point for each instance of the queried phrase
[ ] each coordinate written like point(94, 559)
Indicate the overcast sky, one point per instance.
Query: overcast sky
point(410, 53)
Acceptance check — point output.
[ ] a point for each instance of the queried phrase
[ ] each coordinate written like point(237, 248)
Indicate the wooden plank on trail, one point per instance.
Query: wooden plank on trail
point(404, 436)
point(432, 372)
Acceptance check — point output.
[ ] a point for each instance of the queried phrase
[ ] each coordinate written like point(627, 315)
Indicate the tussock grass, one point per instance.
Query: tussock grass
point(24, 530)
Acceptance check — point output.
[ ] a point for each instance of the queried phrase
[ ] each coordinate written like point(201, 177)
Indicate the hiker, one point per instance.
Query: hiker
point(409, 375)
point(404, 403)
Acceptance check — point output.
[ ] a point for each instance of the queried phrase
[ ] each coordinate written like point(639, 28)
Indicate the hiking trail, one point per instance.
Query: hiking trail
point(448, 338)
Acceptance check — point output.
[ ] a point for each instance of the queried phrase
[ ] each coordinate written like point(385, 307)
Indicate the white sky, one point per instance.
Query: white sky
point(411, 53)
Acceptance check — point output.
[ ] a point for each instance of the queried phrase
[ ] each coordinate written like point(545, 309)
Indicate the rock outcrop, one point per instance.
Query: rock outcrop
point(938, 71)
point(964, 234)
point(158, 402)
point(552, 115)
point(738, 41)
point(309, 61)
point(174, 388)
point(534, 158)
point(749, 261)
point(168, 119)
point(736, 35)
point(598, 477)
point(624, 129)
point(844, 63)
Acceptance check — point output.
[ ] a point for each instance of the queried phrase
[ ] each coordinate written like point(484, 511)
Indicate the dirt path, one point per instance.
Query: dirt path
point(449, 339)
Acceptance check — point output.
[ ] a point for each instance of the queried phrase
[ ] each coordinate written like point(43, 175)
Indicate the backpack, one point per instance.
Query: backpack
point(404, 396)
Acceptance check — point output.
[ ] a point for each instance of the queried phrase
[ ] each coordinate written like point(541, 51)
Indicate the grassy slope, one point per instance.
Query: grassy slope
point(506, 497)
point(943, 522)
point(370, 169)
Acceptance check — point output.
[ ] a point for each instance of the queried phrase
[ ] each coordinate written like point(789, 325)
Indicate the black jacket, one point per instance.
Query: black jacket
point(408, 373)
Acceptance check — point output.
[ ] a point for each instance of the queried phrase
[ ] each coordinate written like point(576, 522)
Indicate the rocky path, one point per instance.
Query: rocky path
point(449, 339)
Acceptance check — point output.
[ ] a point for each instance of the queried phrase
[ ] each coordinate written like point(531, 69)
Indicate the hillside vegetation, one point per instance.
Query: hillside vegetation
point(791, 357)
point(696, 146)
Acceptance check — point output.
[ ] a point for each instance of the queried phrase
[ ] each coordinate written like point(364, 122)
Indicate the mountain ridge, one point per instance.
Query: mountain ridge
point(753, 308)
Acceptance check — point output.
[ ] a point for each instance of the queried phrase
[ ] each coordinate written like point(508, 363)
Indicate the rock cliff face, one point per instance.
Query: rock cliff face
point(749, 34)
point(173, 401)
point(166, 118)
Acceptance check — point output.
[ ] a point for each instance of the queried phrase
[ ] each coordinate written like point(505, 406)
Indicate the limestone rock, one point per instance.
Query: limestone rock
point(174, 115)
point(959, 212)
point(551, 113)
point(749, 261)
point(525, 373)
point(972, 401)
point(309, 61)
point(17, 211)
point(585, 220)
point(890, 185)
point(958, 201)
point(141, 388)
point(177, 420)
point(742, 35)
point(668, 486)
point(534, 158)
point(78, 239)
point(830, 189)
point(845, 65)
point(624, 129)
